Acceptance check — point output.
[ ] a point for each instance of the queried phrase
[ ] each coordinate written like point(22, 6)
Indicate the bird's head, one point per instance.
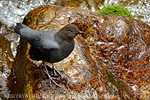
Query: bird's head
point(70, 31)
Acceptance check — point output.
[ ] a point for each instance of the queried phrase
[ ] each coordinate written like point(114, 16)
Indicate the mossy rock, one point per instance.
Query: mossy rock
point(116, 10)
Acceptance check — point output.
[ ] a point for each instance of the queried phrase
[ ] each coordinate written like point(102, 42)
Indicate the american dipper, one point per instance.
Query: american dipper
point(49, 46)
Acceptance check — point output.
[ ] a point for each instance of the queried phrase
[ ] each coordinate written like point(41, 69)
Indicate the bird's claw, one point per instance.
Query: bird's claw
point(50, 78)
point(56, 70)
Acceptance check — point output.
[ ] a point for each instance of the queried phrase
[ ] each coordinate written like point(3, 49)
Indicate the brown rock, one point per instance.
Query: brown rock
point(105, 64)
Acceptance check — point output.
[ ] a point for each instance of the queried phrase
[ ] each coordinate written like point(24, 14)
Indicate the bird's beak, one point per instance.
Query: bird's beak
point(81, 32)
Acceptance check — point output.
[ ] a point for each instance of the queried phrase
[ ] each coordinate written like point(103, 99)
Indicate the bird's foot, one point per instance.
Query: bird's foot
point(51, 79)
point(55, 70)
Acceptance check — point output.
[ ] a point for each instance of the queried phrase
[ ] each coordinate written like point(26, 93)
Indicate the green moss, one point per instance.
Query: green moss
point(116, 10)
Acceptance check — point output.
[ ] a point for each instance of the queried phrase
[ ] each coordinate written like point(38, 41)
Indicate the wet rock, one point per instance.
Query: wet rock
point(110, 62)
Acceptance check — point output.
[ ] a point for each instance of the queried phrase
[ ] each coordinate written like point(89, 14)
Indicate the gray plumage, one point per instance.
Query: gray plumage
point(50, 46)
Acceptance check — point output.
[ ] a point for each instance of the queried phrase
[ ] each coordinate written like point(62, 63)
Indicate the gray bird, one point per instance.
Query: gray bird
point(49, 46)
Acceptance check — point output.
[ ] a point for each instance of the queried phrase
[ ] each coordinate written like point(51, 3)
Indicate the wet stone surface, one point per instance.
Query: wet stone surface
point(110, 62)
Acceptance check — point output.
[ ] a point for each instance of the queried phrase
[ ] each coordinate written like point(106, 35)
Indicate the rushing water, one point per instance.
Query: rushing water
point(13, 11)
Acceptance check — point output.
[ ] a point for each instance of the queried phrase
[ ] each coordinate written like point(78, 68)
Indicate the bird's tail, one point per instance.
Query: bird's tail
point(18, 27)
point(26, 32)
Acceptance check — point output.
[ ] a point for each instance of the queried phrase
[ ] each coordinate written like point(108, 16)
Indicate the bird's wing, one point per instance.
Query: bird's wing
point(26, 32)
point(38, 39)
point(48, 41)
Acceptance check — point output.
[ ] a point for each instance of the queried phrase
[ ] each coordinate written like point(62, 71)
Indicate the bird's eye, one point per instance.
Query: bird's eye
point(70, 30)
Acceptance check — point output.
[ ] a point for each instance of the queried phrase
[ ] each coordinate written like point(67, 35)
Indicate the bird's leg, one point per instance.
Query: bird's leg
point(49, 76)
point(56, 70)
